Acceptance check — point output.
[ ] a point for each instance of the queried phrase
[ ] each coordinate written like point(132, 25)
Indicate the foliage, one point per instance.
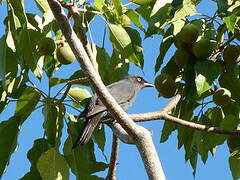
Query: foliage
point(203, 72)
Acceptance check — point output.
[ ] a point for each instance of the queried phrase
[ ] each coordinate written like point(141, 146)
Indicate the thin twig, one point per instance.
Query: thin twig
point(113, 161)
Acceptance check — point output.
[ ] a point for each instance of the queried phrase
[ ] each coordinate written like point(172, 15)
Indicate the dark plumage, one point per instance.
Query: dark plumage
point(123, 91)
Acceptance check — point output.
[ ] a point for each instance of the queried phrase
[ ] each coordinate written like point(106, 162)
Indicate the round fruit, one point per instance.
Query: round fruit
point(78, 94)
point(65, 55)
point(181, 58)
point(189, 33)
point(222, 97)
point(165, 85)
point(125, 21)
point(231, 54)
point(202, 48)
point(46, 46)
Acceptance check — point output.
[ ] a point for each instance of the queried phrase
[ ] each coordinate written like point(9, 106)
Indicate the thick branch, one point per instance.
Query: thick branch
point(141, 136)
point(114, 156)
point(120, 133)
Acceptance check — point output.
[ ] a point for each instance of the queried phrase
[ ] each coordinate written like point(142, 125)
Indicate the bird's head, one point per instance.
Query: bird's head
point(138, 81)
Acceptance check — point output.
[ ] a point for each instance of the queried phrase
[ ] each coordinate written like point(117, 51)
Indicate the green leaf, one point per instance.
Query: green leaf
point(17, 14)
point(103, 59)
point(42, 6)
point(220, 32)
point(98, 4)
point(3, 105)
point(45, 9)
point(164, 47)
point(39, 147)
point(117, 4)
point(53, 123)
point(145, 12)
point(27, 102)
point(82, 159)
point(50, 65)
point(56, 81)
point(52, 165)
point(209, 31)
point(234, 163)
point(136, 43)
point(122, 42)
point(187, 9)
point(8, 63)
point(118, 67)
point(178, 26)
point(230, 22)
point(8, 140)
point(30, 56)
point(206, 73)
point(99, 138)
point(167, 130)
point(135, 18)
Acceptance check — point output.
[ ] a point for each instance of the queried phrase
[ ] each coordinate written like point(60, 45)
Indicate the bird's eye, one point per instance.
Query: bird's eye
point(139, 79)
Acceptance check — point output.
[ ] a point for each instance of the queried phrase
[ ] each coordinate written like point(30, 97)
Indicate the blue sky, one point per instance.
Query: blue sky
point(129, 164)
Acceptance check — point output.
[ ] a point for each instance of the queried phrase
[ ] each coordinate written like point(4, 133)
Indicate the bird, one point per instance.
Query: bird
point(123, 91)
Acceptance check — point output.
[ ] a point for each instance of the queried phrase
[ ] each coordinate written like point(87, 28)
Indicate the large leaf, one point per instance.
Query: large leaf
point(99, 138)
point(206, 73)
point(135, 18)
point(17, 14)
point(122, 42)
point(82, 159)
point(50, 65)
point(52, 165)
point(117, 4)
point(39, 147)
point(164, 47)
point(27, 102)
point(234, 163)
point(187, 9)
point(8, 140)
point(45, 9)
point(167, 130)
point(111, 68)
point(53, 123)
point(30, 55)
point(8, 63)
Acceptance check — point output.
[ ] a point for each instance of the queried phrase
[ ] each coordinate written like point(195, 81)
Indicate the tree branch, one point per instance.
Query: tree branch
point(114, 156)
point(120, 132)
point(141, 136)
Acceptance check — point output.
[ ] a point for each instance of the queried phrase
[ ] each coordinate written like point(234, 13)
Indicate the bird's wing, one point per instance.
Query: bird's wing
point(95, 110)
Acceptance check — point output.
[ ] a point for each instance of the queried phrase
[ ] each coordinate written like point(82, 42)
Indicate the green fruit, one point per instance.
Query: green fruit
point(78, 94)
point(202, 48)
point(125, 21)
point(46, 46)
point(231, 54)
point(165, 85)
point(181, 58)
point(65, 55)
point(222, 97)
point(189, 33)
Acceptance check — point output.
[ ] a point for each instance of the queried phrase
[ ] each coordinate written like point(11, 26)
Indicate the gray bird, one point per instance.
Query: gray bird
point(123, 91)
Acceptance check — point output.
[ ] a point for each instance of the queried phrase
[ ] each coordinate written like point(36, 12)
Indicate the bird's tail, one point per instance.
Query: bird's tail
point(87, 131)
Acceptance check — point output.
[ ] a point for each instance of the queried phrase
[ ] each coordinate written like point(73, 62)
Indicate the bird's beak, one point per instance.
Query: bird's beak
point(146, 84)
